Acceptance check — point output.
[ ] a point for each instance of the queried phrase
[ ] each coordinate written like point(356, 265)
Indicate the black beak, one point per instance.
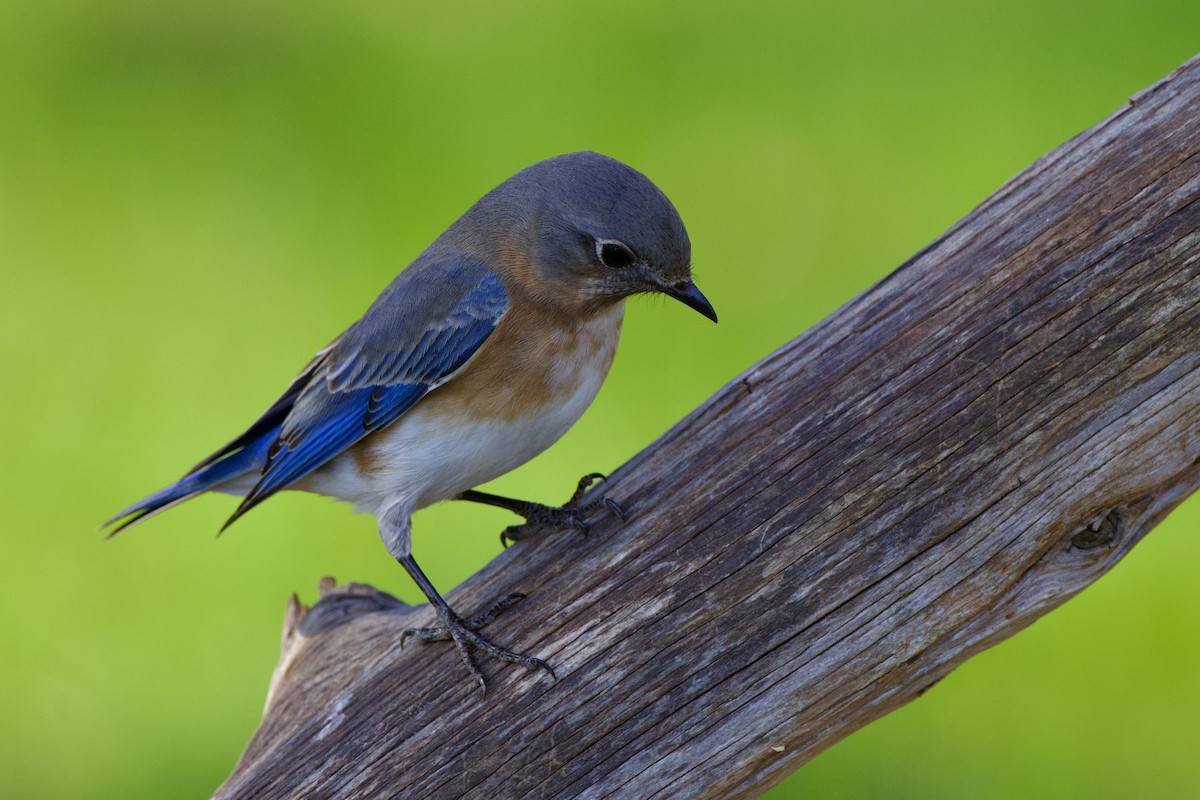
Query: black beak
point(687, 293)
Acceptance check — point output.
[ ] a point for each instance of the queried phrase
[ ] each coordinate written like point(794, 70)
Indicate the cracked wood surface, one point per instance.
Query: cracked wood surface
point(952, 454)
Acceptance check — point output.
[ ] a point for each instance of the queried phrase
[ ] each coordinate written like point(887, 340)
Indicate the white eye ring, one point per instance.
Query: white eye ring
point(614, 254)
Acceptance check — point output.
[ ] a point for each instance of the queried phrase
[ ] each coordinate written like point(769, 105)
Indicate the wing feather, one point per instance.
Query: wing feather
point(423, 328)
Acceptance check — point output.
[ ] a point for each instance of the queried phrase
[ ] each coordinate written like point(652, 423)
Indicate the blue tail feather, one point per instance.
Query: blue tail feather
point(248, 459)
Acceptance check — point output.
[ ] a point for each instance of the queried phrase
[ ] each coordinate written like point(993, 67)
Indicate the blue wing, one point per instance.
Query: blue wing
point(424, 327)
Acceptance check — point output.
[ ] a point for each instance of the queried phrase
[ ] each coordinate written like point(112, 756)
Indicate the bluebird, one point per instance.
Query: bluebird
point(474, 359)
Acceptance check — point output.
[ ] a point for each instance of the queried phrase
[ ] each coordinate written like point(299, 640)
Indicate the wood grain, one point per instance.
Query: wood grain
point(958, 450)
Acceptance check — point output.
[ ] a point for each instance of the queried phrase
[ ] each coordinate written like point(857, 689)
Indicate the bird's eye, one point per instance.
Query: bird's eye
point(613, 254)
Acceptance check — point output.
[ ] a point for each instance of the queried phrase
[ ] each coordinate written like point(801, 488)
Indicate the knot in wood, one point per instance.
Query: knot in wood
point(344, 603)
point(1101, 532)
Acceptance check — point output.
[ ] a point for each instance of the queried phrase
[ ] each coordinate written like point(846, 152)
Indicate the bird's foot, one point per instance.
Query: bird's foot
point(540, 518)
point(465, 634)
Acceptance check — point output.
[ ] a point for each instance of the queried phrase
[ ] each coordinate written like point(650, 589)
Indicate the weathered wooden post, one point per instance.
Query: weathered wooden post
point(958, 450)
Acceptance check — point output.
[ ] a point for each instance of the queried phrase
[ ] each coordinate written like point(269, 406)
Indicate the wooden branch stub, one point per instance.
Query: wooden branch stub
point(955, 452)
point(304, 627)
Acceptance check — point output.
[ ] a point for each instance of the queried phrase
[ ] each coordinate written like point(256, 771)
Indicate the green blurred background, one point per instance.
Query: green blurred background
point(194, 197)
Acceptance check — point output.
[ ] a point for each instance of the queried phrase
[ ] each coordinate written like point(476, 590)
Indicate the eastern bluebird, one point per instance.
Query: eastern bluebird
point(477, 357)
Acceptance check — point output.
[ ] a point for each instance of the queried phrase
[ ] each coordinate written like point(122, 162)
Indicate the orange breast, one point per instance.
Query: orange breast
point(532, 361)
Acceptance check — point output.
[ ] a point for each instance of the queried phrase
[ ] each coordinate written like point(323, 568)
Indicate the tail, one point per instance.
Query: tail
point(247, 459)
point(245, 455)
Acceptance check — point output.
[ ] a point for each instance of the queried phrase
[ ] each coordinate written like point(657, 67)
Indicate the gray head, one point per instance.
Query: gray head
point(583, 230)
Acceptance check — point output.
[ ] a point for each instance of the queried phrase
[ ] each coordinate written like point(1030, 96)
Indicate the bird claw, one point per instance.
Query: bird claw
point(584, 484)
point(466, 636)
point(441, 633)
point(540, 518)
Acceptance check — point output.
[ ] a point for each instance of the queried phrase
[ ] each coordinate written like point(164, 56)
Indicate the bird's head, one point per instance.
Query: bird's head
point(592, 231)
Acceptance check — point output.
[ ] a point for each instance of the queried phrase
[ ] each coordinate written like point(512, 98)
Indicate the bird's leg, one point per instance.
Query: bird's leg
point(465, 632)
point(395, 528)
point(539, 517)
